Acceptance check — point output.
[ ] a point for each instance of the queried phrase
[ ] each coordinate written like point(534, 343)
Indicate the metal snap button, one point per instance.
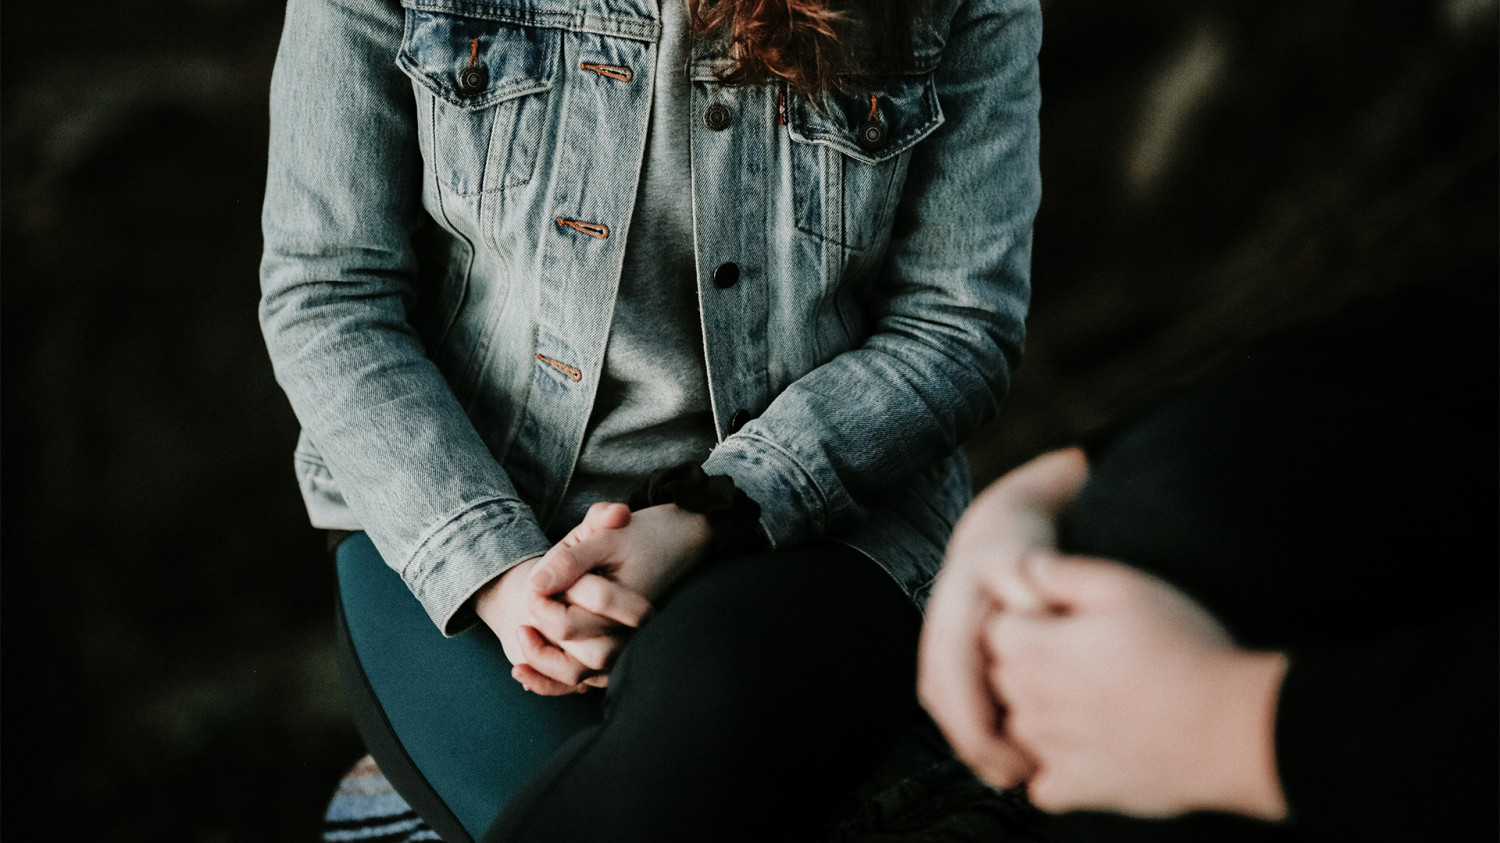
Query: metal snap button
point(873, 136)
point(738, 420)
point(717, 117)
point(473, 80)
point(727, 275)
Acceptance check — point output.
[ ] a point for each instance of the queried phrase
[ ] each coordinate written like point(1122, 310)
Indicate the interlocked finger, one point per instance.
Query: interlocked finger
point(608, 599)
point(561, 622)
point(546, 686)
point(548, 659)
point(596, 654)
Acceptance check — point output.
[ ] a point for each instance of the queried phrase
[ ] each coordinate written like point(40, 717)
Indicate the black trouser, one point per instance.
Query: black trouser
point(764, 687)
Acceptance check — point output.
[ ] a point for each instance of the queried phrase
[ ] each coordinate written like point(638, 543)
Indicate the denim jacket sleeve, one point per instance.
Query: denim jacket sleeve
point(948, 311)
point(338, 278)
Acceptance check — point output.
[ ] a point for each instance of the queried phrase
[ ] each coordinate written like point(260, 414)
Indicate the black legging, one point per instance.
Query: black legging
point(764, 687)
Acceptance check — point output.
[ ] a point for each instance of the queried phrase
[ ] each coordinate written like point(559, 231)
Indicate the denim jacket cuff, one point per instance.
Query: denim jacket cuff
point(470, 549)
point(792, 507)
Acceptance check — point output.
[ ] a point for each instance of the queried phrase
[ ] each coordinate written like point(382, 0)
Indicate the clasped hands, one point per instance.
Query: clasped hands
point(1096, 685)
point(562, 617)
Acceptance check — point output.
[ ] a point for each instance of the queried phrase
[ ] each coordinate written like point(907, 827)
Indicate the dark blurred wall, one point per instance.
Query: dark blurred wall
point(1216, 170)
point(166, 609)
point(1213, 171)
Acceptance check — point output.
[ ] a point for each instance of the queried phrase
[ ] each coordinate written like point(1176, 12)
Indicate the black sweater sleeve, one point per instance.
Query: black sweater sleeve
point(1395, 739)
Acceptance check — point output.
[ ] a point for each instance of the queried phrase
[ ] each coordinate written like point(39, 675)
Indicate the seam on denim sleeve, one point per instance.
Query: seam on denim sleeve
point(421, 546)
point(820, 517)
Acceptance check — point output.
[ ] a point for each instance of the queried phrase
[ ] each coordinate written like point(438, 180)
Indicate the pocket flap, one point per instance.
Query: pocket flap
point(475, 63)
point(904, 110)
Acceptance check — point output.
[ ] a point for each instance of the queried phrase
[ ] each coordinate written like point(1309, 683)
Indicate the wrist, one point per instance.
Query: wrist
point(732, 517)
point(490, 596)
point(695, 528)
point(1253, 690)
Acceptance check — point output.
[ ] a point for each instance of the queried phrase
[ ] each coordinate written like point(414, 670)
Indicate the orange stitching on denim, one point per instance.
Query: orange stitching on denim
point(573, 374)
point(473, 52)
point(873, 111)
point(611, 70)
point(592, 229)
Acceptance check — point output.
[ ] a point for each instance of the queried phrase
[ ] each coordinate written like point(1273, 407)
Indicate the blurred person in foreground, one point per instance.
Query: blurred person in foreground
point(1264, 608)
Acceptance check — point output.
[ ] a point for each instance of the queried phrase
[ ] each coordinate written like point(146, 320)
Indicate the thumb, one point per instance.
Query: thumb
point(560, 568)
point(1075, 582)
point(1046, 792)
point(605, 515)
point(1052, 480)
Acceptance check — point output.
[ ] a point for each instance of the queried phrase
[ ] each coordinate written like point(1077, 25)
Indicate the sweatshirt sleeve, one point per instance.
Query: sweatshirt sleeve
point(1395, 739)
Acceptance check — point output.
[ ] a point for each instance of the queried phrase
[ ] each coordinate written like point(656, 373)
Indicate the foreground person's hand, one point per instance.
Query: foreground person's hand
point(1130, 697)
point(1015, 517)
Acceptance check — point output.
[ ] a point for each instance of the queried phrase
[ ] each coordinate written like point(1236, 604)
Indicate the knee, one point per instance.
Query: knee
point(761, 666)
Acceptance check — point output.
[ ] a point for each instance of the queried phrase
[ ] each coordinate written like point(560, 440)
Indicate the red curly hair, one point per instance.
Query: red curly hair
point(805, 42)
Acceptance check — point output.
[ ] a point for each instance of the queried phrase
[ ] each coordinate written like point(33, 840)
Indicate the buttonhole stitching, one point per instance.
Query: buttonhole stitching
point(612, 71)
point(573, 374)
point(592, 229)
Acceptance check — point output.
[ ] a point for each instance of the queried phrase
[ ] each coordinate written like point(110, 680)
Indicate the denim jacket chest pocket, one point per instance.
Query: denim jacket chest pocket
point(480, 85)
point(851, 150)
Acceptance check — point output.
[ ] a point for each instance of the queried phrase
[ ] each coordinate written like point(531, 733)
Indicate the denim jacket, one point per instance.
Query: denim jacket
point(450, 191)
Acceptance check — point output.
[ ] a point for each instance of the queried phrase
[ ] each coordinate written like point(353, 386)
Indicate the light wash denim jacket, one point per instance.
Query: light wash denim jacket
point(449, 196)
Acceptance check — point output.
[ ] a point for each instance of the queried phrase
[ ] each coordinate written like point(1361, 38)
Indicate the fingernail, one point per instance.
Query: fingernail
point(541, 578)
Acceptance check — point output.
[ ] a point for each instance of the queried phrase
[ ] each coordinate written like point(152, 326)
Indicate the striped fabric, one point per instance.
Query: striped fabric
point(366, 809)
point(924, 795)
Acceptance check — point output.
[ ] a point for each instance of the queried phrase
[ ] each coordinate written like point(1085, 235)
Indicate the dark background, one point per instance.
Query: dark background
point(1213, 170)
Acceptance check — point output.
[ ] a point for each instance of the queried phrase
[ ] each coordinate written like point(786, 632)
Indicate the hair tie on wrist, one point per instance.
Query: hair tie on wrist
point(731, 513)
